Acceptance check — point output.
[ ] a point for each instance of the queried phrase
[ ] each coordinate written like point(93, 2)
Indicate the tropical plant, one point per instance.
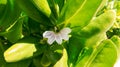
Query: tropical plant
point(59, 33)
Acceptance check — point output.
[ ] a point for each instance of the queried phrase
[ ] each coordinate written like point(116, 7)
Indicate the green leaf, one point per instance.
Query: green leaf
point(73, 47)
point(54, 10)
point(25, 63)
point(31, 10)
point(3, 1)
point(52, 56)
point(84, 56)
point(90, 36)
point(96, 29)
point(107, 55)
point(60, 3)
point(2, 61)
point(45, 62)
point(116, 41)
point(10, 14)
point(2, 7)
point(103, 55)
point(14, 32)
point(79, 13)
point(48, 57)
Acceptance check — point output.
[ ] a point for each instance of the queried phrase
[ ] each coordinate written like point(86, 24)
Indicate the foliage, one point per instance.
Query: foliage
point(93, 40)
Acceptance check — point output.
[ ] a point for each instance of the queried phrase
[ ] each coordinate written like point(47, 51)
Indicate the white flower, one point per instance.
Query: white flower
point(52, 36)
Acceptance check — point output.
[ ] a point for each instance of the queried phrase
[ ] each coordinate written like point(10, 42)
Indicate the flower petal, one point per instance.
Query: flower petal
point(65, 30)
point(51, 39)
point(64, 36)
point(58, 39)
point(48, 34)
point(64, 33)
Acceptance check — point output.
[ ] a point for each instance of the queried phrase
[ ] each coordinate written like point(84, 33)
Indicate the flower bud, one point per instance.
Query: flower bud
point(19, 51)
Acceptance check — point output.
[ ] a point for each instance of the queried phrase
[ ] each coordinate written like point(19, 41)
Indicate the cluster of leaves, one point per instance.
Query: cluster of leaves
point(25, 21)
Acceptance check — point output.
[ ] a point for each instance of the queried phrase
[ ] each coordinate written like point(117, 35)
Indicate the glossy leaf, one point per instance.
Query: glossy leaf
point(11, 14)
point(54, 10)
point(96, 29)
point(88, 45)
point(29, 8)
point(106, 57)
point(89, 36)
point(116, 41)
point(101, 56)
point(14, 32)
point(79, 13)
